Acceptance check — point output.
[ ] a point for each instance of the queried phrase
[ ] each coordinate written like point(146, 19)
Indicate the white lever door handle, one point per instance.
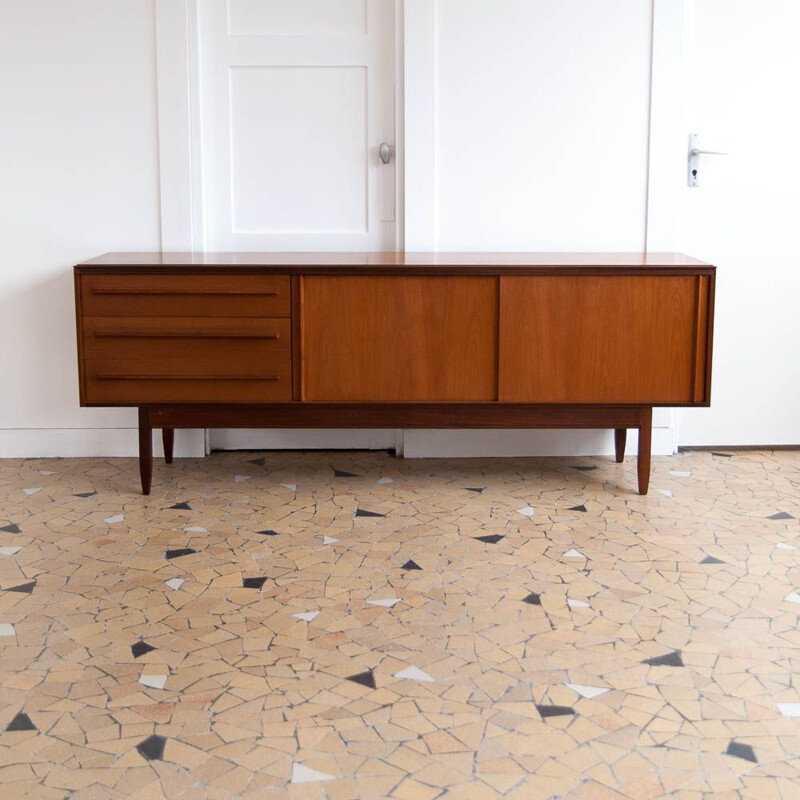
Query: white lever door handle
point(696, 152)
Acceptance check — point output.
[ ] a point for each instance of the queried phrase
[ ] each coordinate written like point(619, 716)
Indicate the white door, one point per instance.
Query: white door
point(744, 215)
point(296, 98)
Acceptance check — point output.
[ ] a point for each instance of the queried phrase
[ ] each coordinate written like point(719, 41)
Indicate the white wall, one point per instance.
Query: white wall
point(526, 128)
point(78, 146)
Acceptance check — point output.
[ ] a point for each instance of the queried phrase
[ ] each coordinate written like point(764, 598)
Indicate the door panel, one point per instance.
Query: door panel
point(308, 174)
point(297, 17)
point(604, 339)
point(397, 339)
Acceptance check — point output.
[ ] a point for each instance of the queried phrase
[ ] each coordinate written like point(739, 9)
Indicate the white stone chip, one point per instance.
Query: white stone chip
point(47, 472)
point(526, 512)
point(414, 674)
point(307, 616)
point(785, 546)
point(115, 518)
point(153, 681)
point(789, 709)
point(303, 774)
point(29, 492)
point(386, 480)
point(242, 478)
point(792, 597)
point(174, 583)
point(328, 540)
point(196, 529)
point(587, 691)
point(291, 486)
point(7, 629)
point(665, 492)
point(679, 473)
point(577, 603)
point(387, 603)
point(9, 551)
point(573, 554)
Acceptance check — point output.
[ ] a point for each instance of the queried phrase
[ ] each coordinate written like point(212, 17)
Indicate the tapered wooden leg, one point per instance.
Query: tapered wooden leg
point(620, 437)
point(645, 434)
point(145, 449)
point(168, 436)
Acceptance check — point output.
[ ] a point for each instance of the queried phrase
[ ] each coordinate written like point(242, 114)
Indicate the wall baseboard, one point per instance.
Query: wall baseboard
point(123, 442)
point(525, 443)
point(91, 443)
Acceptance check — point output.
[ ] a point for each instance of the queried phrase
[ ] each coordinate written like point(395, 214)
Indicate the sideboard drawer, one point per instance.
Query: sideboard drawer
point(133, 360)
point(185, 295)
point(139, 383)
point(215, 341)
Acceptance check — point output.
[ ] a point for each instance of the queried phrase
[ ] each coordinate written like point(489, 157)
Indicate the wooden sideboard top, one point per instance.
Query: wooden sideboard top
point(388, 263)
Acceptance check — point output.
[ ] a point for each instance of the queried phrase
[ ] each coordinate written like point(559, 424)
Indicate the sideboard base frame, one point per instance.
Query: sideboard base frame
point(621, 418)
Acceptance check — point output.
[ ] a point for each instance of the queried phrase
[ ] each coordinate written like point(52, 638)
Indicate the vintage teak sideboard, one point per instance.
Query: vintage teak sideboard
point(443, 340)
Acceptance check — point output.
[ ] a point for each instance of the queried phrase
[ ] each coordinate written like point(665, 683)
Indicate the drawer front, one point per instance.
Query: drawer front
point(185, 295)
point(131, 360)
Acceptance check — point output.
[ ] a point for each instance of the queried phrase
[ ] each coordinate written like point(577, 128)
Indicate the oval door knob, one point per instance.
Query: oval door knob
point(385, 151)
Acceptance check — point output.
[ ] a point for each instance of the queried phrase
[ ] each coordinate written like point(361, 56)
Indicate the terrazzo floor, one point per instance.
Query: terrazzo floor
point(351, 625)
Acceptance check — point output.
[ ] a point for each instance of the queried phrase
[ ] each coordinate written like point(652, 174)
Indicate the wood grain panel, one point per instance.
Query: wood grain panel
point(399, 339)
point(185, 295)
point(604, 339)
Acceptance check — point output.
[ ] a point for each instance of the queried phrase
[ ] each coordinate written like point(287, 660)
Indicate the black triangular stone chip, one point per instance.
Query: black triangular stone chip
point(12, 528)
point(533, 599)
point(741, 751)
point(85, 494)
point(711, 560)
point(364, 679)
point(253, 583)
point(183, 551)
point(723, 455)
point(473, 489)
point(22, 722)
point(152, 748)
point(362, 513)
point(338, 473)
point(411, 565)
point(182, 507)
point(554, 711)
point(23, 587)
point(259, 462)
point(581, 507)
point(140, 648)
point(779, 515)
point(493, 538)
point(669, 660)
point(584, 469)
point(268, 532)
